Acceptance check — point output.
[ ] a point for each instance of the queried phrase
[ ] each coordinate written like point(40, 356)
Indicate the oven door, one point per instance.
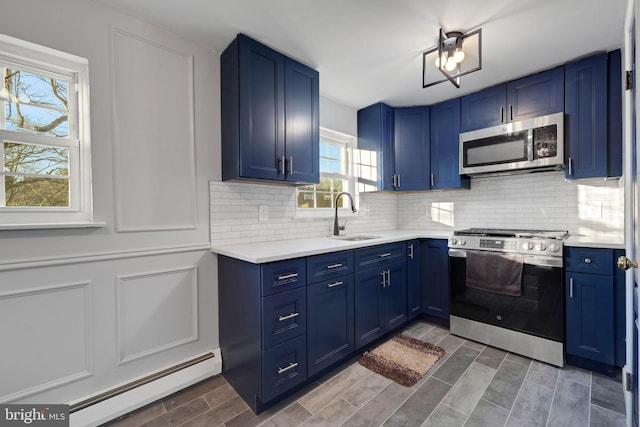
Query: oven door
point(538, 311)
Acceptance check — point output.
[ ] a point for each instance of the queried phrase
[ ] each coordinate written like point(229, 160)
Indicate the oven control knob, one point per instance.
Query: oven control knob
point(554, 247)
point(527, 246)
point(462, 242)
point(454, 241)
point(542, 247)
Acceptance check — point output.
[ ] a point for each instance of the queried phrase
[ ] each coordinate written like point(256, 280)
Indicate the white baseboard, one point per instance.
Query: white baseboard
point(140, 396)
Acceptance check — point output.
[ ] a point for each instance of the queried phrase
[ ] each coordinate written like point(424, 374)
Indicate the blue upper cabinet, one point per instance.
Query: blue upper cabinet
point(483, 109)
point(375, 133)
point(532, 96)
point(593, 112)
point(411, 149)
point(445, 130)
point(270, 115)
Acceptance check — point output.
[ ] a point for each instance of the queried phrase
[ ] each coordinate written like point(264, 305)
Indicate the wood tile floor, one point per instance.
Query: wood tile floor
point(472, 385)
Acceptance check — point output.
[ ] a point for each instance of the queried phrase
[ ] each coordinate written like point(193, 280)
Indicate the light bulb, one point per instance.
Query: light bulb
point(458, 56)
point(444, 60)
point(451, 64)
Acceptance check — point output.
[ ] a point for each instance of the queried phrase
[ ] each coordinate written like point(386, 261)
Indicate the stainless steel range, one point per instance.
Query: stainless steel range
point(507, 290)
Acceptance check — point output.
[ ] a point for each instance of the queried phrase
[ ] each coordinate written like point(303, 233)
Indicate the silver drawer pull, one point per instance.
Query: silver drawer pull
point(334, 266)
point(331, 285)
point(288, 276)
point(587, 260)
point(385, 255)
point(291, 366)
point(287, 317)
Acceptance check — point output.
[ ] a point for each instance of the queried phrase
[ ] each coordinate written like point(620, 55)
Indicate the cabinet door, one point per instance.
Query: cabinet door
point(261, 110)
point(375, 133)
point(586, 117)
point(589, 313)
point(414, 294)
point(368, 309)
point(302, 133)
point(411, 148)
point(330, 322)
point(483, 109)
point(434, 263)
point(394, 295)
point(445, 131)
point(536, 95)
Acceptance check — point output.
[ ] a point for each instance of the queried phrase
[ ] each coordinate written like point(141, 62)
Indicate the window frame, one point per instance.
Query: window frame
point(349, 142)
point(49, 62)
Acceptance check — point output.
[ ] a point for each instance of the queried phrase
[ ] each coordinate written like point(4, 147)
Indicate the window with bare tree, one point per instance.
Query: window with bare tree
point(44, 127)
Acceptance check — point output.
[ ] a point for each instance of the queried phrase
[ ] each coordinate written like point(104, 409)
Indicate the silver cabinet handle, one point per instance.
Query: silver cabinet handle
point(571, 287)
point(388, 277)
point(287, 317)
point(433, 180)
point(394, 181)
point(570, 166)
point(287, 276)
point(384, 280)
point(510, 112)
point(282, 165)
point(385, 255)
point(291, 366)
point(334, 266)
point(587, 260)
point(399, 183)
point(411, 251)
point(501, 114)
point(290, 165)
point(332, 285)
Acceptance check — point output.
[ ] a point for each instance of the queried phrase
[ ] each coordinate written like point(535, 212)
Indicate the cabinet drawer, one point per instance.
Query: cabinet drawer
point(284, 316)
point(283, 275)
point(329, 266)
point(589, 260)
point(379, 255)
point(284, 367)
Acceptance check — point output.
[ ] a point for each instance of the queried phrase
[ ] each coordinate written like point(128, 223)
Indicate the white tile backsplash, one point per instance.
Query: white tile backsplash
point(539, 200)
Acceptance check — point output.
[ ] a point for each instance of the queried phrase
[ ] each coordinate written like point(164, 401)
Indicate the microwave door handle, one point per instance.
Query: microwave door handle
point(530, 144)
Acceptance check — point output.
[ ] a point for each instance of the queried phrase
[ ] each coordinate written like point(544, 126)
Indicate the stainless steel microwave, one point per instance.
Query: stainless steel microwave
point(527, 145)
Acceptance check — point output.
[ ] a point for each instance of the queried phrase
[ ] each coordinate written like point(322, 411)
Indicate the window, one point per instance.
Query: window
point(44, 129)
point(335, 173)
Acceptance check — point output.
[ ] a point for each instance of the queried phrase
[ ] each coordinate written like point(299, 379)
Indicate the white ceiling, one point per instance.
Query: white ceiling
point(371, 50)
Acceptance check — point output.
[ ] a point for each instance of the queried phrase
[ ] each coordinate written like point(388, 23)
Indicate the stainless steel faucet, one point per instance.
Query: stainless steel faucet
point(336, 226)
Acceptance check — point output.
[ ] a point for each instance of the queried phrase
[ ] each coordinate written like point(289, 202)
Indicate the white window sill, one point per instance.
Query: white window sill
point(324, 213)
point(45, 226)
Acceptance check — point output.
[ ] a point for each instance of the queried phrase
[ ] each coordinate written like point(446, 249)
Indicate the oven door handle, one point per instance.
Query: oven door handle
point(541, 260)
point(457, 253)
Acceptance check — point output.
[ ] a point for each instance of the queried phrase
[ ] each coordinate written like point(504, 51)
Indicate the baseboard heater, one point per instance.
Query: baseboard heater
point(78, 406)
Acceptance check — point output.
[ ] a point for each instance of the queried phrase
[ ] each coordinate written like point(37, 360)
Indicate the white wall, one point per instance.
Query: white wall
point(83, 310)
point(338, 117)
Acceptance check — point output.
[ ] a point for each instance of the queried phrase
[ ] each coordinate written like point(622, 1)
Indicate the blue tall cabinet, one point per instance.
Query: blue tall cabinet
point(270, 115)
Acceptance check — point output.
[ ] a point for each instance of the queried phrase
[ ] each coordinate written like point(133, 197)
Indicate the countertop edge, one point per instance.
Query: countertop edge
point(263, 252)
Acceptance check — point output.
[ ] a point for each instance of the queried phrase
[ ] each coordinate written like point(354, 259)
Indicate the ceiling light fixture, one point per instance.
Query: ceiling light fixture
point(456, 55)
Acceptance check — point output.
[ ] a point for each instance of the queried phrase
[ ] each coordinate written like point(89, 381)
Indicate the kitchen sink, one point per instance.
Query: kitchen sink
point(356, 238)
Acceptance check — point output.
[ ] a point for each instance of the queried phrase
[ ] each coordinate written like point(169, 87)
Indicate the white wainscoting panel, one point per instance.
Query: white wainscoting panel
point(154, 154)
point(49, 330)
point(156, 311)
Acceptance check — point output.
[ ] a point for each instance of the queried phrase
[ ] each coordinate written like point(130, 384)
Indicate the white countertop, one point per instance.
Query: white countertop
point(262, 252)
point(594, 241)
point(278, 250)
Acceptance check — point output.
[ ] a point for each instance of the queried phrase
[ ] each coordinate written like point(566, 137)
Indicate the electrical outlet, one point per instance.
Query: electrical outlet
point(595, 210)
point(263, 214)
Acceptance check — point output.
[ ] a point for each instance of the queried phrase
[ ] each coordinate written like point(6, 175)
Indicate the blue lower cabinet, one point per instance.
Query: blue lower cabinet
point(595, 312)
point(380, 294)
point(434, 261)
point(414, 282)
point(330, 322)
point(284, 367)
point(589, 305)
